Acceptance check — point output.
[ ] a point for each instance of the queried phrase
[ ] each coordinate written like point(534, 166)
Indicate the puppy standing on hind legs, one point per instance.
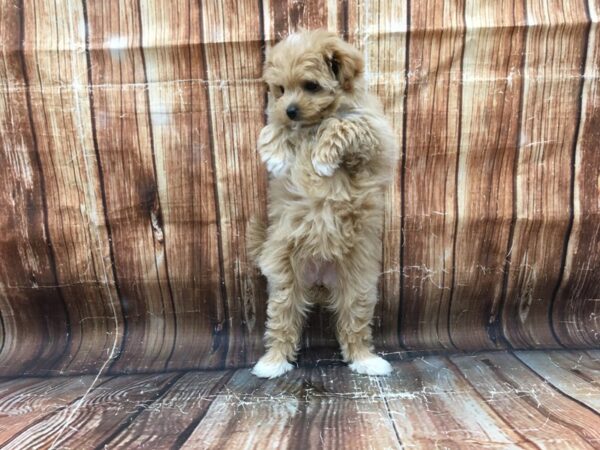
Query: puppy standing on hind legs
point(330, 153)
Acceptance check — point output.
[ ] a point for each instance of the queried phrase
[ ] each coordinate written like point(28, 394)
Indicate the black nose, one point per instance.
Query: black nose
point(292, 112)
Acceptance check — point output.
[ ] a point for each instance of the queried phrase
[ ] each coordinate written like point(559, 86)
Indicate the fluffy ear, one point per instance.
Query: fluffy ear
point(345, 61)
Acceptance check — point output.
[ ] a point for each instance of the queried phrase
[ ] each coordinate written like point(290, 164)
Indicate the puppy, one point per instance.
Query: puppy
point(330, 154)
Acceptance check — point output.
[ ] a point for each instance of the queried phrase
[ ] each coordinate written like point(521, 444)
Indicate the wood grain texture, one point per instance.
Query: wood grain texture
point(528, 403)
point(112, 404)
point(543, 213)
point(31, 303)
point(27, 401)
point(327, 408)
point(168, 421)
point(574, 373)
point(233, 58)
point(576, 306)
point(179, 109)
point(430, 157)
point(491, 87)
point(123, 141)
point(444, 409)
point(493, 400)
point(128, 172)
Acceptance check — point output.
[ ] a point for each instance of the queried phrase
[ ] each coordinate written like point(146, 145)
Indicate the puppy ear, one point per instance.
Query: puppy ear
point(345, 62)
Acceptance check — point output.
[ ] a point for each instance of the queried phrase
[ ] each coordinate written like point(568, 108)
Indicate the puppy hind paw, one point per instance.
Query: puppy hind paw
point(371, 365)
point(271, 369)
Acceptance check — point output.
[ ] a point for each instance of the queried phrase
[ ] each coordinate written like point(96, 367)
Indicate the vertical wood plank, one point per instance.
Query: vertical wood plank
point(491, 87)
point(285, 17)
point(28, 278)
point(379, 30)
point(177, 92)
point(233, 62)
point(124, 144)
point(576, 308)
point(431, 143)
point(55, 65)
point(555, 51)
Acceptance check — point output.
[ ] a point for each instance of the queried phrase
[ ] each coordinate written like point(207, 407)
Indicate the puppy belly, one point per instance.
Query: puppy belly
point(320, 273)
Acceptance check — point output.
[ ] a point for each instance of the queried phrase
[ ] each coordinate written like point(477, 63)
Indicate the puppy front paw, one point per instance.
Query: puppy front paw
point(269, 368)
point(331, 141)
point(326, 157)
point(371, 365)
point(273, 150)
point(276, 165)
point(324, 169)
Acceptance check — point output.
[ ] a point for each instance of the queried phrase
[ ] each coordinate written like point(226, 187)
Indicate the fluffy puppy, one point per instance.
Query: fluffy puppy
point(330, 154)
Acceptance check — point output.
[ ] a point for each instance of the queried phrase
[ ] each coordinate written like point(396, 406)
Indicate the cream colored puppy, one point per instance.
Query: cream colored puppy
point(330, 153)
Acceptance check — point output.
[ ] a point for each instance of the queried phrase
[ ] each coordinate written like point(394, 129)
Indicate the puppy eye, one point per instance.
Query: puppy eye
point(311, 86)
point(278, 91)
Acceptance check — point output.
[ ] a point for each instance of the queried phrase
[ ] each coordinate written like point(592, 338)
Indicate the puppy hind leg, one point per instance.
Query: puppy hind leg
point(354, 313)
point(286, 312)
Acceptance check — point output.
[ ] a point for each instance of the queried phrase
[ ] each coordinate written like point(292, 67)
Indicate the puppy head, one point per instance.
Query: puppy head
point(308, 75)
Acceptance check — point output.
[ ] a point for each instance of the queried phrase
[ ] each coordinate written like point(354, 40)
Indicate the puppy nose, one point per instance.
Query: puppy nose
point(292, 112)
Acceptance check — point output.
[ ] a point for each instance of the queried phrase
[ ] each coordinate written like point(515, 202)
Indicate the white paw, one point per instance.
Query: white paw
point(323, 169)
point(275, 165)
point(270, 369)
point(371, 365)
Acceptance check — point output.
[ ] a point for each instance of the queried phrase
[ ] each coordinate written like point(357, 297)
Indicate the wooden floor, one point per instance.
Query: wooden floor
point(499, 400)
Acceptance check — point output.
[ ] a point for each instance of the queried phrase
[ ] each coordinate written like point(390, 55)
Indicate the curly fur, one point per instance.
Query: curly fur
point(329, 167)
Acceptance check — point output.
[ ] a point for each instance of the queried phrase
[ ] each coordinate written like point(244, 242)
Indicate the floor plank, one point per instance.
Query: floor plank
point(24, 402)
point(169, 420)
point(435, 407)
point(495, 400)
point(87, 423)
point(528, 404)
point(309, 408)
point(574, 373)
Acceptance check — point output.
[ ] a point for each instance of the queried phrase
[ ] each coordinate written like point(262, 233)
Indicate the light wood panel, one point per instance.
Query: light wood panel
point(543, 212)
point(489, 134)
point(429, 168)
point(128, 172)
point(28, 274)
point(576, 306)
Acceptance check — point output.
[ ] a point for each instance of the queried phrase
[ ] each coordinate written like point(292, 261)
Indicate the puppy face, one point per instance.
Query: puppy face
point(308, 74)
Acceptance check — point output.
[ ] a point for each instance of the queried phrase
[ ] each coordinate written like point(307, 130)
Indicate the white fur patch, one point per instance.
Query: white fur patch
point(294, 38)
point(372, 365)
point(269, 369)
point(275, 165)
point(324, 170)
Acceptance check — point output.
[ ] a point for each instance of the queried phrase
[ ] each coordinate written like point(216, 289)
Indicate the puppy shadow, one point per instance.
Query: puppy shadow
point(319, 346)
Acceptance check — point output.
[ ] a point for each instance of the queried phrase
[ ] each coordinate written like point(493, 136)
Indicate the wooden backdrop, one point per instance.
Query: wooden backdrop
point(128, 171)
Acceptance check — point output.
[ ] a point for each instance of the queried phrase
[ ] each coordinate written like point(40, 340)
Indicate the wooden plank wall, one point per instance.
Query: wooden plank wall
point(128, 172)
